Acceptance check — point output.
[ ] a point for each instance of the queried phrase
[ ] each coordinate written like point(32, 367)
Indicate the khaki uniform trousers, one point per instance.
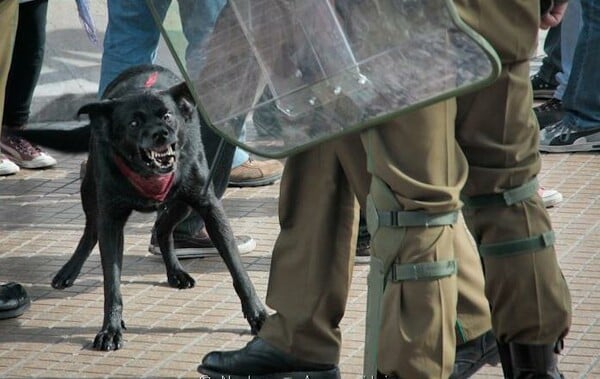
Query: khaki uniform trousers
point(417, 159)
point(9, 11)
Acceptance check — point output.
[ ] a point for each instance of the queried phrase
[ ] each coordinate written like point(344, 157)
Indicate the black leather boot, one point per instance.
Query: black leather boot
point(505, 359)
point(535, 361)
point(259, 360)
point(14, 300)
point(474, 354)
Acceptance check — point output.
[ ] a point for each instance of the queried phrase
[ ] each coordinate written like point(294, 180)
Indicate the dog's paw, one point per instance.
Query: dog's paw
point(256, 316)
point(109, 339)
point(180, 279)
point(64, 278)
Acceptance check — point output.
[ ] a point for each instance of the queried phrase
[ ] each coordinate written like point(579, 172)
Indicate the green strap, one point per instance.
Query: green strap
point(461, 337)
point(416, 218)
point(508, 197)
point(515, 247)
point(422, 271)
point(376, 285)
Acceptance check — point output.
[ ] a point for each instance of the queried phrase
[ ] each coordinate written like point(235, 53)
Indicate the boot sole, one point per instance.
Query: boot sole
point(543, 94)
point(16, 312)
point(334, 373)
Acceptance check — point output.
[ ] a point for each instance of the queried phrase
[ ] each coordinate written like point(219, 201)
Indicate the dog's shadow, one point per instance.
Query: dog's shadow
point(84, 335)
point(20, 268)
point(40, 269)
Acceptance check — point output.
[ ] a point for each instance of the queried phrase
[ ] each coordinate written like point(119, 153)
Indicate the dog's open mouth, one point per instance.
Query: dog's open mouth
point(162, 157)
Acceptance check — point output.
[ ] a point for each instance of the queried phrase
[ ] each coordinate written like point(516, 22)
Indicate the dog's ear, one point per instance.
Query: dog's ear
point(102, 108)
point(184, 99)
point(100, 113)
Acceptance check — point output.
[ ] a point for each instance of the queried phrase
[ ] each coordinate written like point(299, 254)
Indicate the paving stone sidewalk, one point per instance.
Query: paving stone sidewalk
point(170, 330)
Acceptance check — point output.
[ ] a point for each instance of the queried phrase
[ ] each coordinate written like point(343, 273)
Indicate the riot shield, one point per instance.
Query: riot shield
point(277, 76)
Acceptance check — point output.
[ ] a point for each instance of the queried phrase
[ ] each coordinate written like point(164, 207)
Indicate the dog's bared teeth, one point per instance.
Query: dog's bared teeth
point(149, 153)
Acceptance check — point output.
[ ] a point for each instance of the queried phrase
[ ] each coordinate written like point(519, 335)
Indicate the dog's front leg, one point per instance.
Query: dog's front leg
point(221, 234)
point(173, 213)
point(110, 236)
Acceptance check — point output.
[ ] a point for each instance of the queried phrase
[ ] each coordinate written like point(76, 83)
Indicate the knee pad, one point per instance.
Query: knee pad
point(387, 217)
point(510, 198)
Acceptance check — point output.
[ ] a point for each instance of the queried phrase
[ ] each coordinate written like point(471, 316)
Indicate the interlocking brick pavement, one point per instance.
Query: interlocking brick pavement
point(170, 330)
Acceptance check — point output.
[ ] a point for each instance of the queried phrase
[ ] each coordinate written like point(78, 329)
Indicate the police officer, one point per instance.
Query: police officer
point(483, 146)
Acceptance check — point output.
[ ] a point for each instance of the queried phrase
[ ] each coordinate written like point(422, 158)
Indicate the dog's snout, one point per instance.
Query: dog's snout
point(160, 136)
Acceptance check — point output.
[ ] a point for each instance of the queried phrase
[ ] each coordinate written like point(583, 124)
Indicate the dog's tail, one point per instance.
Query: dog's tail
point(71, 140)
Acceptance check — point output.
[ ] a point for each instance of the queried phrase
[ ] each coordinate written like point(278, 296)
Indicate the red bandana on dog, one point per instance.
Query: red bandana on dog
point(155, 187)
point(151, 81)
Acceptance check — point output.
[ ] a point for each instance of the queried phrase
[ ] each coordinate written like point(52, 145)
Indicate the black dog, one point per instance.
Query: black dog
point(145, 153)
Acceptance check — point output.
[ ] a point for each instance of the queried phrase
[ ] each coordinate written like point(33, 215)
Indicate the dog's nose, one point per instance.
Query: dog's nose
point(160, 137)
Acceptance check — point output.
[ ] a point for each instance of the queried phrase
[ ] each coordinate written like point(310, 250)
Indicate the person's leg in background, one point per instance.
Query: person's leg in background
point(131, 39)
point(544, 80)
point(579, 128)
point(25, 68)
point(502, 207)
point(198, 20)
point(249, 172)
point(9, 13)
point(14, 300)
point(551, 111)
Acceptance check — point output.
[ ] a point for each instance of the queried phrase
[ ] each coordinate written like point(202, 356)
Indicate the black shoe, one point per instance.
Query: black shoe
point(550, 112)
point(363, 247)
point(542, 89)
point(474, 354)
point(363, 250)
point(259, 360)
point(14, 300)
point(535, 361)
point(363, 242)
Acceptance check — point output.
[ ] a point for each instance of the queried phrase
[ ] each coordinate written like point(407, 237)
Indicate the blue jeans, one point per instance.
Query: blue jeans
point(132, 39)
point(132, 36)
point(582, 97)
point(571, 26)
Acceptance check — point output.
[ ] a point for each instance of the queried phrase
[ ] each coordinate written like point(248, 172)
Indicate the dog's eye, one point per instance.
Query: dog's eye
point(168, 117)
point(133, 124)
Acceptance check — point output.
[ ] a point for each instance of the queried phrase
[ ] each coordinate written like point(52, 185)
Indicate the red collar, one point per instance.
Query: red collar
point(155, 187)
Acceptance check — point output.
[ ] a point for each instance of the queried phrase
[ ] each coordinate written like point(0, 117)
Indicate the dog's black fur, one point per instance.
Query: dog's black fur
point(153, 131)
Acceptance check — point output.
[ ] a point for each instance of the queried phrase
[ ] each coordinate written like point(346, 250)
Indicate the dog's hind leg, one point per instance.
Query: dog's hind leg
point(173, 214)
point(221, 234)
point(69, 272)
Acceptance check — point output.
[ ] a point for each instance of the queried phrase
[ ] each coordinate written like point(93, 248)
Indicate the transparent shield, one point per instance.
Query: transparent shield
point(277, 76)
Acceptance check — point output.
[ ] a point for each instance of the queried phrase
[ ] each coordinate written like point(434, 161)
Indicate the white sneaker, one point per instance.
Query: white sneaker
point(200, 245)
point(24, 153)
point(550, 197)
point(7, 167)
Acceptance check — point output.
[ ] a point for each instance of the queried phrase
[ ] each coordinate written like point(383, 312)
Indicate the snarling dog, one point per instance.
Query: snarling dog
point(145, 154)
